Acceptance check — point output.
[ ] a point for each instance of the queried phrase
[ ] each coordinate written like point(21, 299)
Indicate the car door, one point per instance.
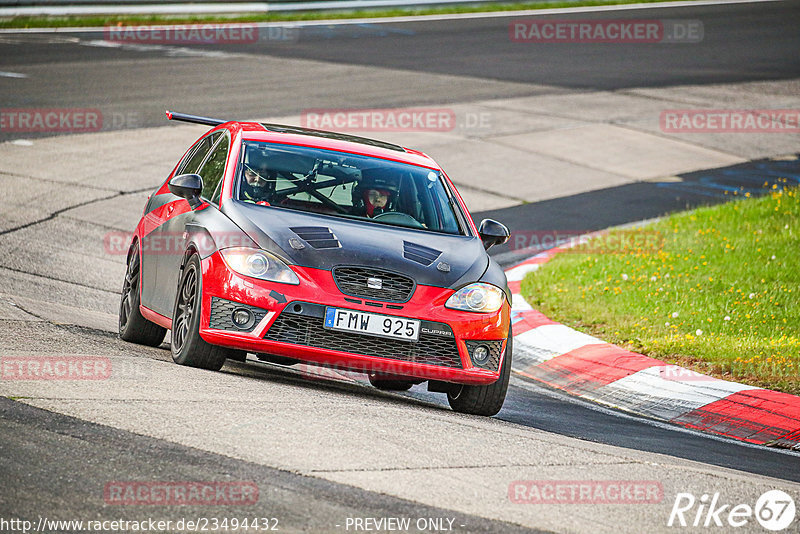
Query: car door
point(168, 265)
point(156, 241)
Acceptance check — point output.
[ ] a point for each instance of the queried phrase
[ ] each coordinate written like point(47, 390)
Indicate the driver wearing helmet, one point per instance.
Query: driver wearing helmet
point(259, 181)
point(375, 193)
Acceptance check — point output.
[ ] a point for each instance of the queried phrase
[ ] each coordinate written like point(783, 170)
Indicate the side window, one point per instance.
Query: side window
point(196, 155)
point(214, 168)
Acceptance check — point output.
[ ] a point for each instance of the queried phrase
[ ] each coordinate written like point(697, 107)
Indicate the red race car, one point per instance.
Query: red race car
point(301, 245)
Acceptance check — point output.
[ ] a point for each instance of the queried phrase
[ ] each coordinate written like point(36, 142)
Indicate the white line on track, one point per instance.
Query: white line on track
point(171, 51)
point(5, 74)
point(450, 16)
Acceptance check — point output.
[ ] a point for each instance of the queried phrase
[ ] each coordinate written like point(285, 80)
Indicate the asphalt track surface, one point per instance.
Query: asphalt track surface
point(471, 59)
point(63, 443)
point(743, 42)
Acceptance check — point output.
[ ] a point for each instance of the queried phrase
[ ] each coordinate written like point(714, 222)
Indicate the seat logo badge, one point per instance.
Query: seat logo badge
point(374, 283)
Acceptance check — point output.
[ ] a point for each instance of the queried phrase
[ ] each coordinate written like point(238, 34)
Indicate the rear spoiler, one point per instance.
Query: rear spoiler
point(194, 118)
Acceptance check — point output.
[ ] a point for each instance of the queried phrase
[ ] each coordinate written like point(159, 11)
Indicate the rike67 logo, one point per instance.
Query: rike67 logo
point(774, 510)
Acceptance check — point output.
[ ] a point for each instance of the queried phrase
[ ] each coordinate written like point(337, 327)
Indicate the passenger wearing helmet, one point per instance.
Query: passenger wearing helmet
point(375, 193)
point(258, 184)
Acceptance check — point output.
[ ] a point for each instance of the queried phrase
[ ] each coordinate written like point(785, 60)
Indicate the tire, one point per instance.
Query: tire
point(390, 385)
point(188, 348)
point(484, 400)
point(133, 326)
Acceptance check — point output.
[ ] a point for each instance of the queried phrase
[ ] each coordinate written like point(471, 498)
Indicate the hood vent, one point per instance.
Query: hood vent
point(420, 254)
point(317, 236)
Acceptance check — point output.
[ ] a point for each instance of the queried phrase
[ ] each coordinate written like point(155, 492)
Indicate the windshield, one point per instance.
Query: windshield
point(345, 185)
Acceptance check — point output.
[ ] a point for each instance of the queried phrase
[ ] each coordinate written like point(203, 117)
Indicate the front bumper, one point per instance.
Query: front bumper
point(288, 321)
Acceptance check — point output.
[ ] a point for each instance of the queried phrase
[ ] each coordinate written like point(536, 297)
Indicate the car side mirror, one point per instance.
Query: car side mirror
point(493, 233)
point(187, 186)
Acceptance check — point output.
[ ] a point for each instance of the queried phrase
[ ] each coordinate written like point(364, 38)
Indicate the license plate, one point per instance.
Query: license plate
point(372, 323)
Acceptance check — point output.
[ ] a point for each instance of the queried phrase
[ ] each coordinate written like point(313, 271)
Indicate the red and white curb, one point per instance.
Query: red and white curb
point(589, 368)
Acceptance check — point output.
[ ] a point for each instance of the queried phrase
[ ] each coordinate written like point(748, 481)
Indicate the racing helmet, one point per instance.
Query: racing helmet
point(256, 162)
point(376, 192)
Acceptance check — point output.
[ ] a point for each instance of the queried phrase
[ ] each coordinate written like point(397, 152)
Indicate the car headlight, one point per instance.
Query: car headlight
point(478, 297)
point(258, 264)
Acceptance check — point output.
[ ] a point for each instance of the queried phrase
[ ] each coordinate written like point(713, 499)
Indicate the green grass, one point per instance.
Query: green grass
point(721, 294)
point(126, 20)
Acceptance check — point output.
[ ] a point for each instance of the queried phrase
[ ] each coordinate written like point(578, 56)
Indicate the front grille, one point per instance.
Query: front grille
point(221, 311)
point(353, 281)
point(308, 330)
point(494, 347)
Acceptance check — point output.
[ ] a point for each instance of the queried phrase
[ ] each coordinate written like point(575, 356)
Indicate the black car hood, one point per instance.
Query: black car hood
point(425, 256)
